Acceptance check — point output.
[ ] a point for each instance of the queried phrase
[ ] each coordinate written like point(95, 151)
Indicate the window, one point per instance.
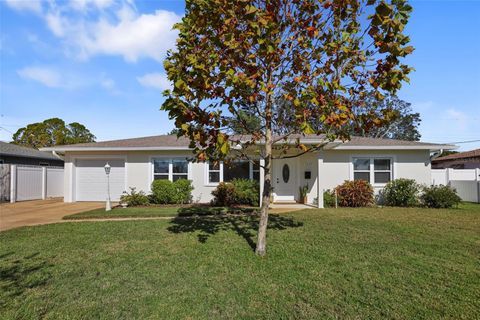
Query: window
point(382, 170)
point(236, 170)
point(170, 169)
point(226, 172)
point(256, 170)
point(373, 170)
point(214, 172)
point(179, 169)
point(361, 169)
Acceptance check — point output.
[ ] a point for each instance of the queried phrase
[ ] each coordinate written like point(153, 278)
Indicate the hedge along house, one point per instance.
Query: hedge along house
point(139, 161)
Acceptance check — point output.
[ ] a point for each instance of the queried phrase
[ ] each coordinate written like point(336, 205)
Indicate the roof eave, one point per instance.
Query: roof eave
point(417, 147)
point(71, 149)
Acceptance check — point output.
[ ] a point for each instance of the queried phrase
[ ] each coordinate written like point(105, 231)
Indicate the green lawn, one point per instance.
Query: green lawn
point(346, 263)
point(156, 211)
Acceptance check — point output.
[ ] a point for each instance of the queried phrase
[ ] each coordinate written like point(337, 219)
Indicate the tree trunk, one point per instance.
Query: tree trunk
point(267, 189)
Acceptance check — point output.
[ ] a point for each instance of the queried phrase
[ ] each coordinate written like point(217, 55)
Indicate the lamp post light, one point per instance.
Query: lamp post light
point(108, 205)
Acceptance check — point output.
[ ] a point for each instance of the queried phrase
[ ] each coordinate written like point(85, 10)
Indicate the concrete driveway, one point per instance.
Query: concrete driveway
point(29, 213)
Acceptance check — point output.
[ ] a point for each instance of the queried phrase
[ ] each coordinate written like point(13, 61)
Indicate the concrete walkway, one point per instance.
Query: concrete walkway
point(29, 213)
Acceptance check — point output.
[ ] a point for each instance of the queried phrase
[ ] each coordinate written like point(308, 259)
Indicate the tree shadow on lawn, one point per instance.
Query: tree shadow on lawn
point(245, 226)
point(201, 210)
point(19, 275)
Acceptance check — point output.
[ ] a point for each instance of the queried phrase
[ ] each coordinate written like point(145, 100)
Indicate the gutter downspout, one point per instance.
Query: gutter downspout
point(436, 155)
point(57, 155)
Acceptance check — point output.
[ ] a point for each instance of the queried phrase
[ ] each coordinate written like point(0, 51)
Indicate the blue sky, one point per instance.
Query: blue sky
point(99, 62)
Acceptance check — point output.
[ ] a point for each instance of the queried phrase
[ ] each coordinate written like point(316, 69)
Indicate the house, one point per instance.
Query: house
point(461, 160)
point(137, 162)
point(14, 154)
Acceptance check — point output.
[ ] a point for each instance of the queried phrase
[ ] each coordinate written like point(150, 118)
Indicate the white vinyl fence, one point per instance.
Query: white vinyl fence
point(465, 181)
point(54, 182)
point(35, 182)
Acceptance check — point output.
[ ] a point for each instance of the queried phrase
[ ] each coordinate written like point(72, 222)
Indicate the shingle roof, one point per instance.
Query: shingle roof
point(171, 141)
point(460, 155)
point(9, 149)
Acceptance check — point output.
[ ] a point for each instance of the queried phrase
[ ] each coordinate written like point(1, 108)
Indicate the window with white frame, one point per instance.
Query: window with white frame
point(226, 172)
point(170, 169)
point(214, 170)
point(375, 170)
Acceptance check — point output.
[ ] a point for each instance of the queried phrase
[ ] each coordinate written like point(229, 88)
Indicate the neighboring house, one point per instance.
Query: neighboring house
point(137, 162)
point(461, 160)
point(14, 154)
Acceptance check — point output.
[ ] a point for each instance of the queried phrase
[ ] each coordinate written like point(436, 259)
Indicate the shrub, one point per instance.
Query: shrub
point(401, 193)
point(328, 199)
point(224, 194)
point(357, 193)
point(440, 197)
point(246, 192)
point(183, 191)
point(134, 198)
point(163, 192)
point(167, 192)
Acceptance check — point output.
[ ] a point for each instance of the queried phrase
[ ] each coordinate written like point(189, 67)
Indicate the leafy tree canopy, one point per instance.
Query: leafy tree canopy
point(322, 57)
point(52, 132)
point(403, 125)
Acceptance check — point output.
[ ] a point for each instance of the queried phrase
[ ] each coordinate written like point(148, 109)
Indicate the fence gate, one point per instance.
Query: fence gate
point(35, 182)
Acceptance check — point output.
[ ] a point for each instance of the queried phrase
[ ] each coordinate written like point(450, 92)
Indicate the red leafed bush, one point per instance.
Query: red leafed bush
point(358, 193)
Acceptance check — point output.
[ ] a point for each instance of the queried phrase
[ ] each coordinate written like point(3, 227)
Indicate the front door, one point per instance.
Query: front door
point(284, 180)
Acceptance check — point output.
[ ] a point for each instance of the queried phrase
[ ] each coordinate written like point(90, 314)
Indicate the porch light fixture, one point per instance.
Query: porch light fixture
point(108, 205)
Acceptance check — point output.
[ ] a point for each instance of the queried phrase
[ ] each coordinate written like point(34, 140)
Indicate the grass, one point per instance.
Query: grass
point(156, 211)
point(369, 263)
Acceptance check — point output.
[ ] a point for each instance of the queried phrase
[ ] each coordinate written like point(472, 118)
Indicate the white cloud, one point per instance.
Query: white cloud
point(119, 31)
point(155, 80)
point(46, 76)
point(56, 23)
point(107, 83)
point(84, 5)
point(25, 5)
point(67, 79)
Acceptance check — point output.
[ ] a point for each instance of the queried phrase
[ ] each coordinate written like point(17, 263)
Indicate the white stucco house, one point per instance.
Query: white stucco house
point(137, 162)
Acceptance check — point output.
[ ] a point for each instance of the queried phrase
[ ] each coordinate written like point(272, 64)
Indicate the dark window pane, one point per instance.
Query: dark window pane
point(382, 177)
point(214, 166)
point(256, 175)
point(361, 176)
point(180, 166)
point(160, 166)
point(179, 176)
point(361, 164)
point(285, 173)
point(236, 170)
point(160, 177)
point(381, 164)
point(256, 165)
point(214, 177)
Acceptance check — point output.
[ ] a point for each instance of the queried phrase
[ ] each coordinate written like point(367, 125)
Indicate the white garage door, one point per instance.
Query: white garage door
point(91, 180)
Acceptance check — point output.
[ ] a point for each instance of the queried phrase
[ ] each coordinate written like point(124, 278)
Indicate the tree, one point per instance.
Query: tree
point(78, 133)
point(52, 132)
point(244, 123)
point(174, 131)
point(320, 56)
point(403, 125)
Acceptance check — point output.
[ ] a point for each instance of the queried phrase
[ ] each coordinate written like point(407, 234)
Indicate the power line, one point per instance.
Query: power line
point(6, 130)
point(468, 141)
